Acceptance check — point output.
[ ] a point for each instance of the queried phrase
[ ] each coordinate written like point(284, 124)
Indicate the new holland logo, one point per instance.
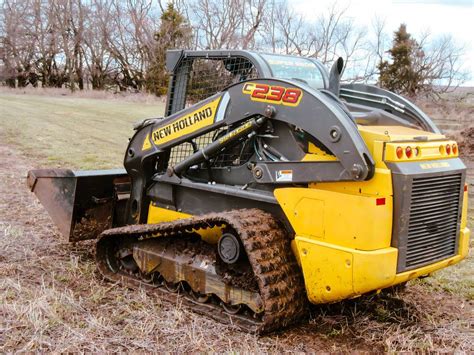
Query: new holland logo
point(435, 165)
point(146, 143)
point(187, 124)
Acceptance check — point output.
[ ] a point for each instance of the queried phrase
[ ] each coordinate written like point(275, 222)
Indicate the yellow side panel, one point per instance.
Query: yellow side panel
point(464, 209)
point(333, 273)
point(160, 215)
point(395, 133)
point(464, 242)
point(352, 221)
point(316, 154)
point(379, 185)
point(374, 270)
point(309, 213)
point(327, 271)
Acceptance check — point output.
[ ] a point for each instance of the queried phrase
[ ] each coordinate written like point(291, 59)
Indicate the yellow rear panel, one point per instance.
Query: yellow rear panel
point(344, 229)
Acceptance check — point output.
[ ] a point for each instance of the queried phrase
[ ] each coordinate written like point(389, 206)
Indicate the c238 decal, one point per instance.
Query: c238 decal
point(274, 94)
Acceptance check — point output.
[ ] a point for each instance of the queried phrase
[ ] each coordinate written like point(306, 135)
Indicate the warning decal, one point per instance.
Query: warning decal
point(284, 175)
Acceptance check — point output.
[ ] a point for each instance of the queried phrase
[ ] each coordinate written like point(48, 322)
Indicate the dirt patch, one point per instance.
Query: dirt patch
point(53, 299)
point(465, 140)
point(456, 110)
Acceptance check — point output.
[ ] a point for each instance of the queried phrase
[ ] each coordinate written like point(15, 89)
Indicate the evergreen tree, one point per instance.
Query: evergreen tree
point(174, 32)
point(402, 75)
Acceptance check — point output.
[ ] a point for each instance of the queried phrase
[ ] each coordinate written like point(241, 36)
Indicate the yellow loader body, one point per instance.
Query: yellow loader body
point(343, 230)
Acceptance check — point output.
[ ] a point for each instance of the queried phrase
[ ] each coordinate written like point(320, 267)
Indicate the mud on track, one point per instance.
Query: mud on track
point(53, 299)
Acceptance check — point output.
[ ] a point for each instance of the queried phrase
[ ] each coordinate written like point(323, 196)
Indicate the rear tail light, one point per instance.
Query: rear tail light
point(455, 149)
point(416, 151)
point(448, 149)
point(399, 152)
point(408, 152)
point(465, 187)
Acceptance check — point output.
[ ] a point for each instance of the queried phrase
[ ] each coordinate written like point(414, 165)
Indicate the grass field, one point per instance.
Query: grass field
point(75, 132)
point(52, 299)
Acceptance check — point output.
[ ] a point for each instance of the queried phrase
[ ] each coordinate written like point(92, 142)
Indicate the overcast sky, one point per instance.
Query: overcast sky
point(438, 16)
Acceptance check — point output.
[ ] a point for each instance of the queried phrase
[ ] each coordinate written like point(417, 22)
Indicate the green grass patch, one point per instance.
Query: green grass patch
point(71, 132)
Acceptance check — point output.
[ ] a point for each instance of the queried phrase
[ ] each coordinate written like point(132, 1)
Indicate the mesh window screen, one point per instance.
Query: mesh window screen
point(184, 150)
point(208, 76)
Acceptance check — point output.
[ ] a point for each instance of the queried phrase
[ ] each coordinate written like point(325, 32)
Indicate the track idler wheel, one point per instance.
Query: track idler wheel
point(230, 248)
point(126, 262)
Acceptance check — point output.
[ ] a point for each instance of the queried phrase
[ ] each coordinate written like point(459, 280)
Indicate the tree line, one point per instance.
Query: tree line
point(103, 44)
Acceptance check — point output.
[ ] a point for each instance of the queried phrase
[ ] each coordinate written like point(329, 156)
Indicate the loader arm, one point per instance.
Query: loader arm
point(246, 107)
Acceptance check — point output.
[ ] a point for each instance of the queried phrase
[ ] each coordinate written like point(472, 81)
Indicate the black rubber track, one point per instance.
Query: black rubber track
point(267, 245)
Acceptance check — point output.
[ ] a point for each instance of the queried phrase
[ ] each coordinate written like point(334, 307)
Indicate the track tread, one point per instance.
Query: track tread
point(267, 244)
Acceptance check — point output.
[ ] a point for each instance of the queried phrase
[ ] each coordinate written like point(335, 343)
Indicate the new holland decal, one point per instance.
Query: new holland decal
point(187, 124)
point(435, 165)
point(273, 94)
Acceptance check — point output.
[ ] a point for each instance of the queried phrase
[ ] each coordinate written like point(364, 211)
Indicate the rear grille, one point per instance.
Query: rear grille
point(433, 219)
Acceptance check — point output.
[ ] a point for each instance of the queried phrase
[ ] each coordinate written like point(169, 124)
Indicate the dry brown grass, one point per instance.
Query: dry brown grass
point(52, 299)
point(453, 112)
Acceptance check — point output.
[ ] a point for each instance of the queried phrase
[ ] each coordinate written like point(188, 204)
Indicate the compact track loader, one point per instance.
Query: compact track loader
point(267, 185)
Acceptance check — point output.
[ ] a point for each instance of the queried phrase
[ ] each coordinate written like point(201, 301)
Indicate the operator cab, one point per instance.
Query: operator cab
point(307, 70)
point(197, 75)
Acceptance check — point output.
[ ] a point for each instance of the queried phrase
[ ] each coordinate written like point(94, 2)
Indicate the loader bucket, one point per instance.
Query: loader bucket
point(81, 203)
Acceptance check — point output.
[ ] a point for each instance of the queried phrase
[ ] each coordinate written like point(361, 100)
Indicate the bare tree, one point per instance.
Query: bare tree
point(327, 33)
point(375, 51)
point(102, 42)
point(97, 59)
point(253, 13)
point(46, 43)
point(63, 11)
point(292, 33)
point(131, 41)
point(440, 63)
point(77, 26)
point(219, 23)
point(331, 35)
point(227, 23)
point(17, 45)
